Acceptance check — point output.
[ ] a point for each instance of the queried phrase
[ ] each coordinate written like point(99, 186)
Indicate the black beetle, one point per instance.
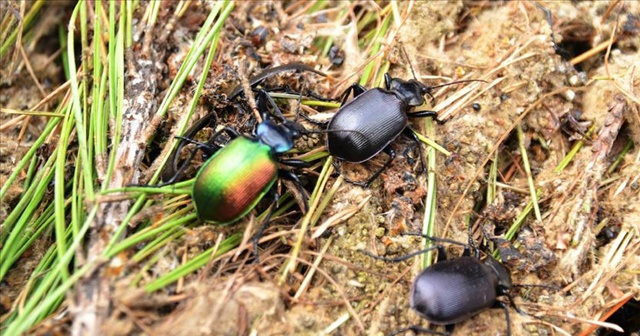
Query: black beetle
point(366, 125)
point(453, 290)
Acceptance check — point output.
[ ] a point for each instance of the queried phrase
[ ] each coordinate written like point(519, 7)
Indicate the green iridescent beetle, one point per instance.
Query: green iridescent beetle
point(237, 176)
point(234, 180)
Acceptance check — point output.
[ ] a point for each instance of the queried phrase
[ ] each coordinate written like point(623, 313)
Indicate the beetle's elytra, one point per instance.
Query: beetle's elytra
point(378, 117)
point(453, 290)
point(234, 180)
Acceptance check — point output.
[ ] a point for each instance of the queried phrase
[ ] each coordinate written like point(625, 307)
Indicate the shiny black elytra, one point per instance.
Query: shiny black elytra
point(453, 290)
point(366, 125)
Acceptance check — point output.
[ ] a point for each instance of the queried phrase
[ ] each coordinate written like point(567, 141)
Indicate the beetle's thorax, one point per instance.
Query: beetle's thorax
point(278, 137)
point(411, 91)
point(504, 277)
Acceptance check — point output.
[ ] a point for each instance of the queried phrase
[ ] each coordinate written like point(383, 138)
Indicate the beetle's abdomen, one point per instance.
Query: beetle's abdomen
point(233, 181)
point(366, 125)
point(453, 290)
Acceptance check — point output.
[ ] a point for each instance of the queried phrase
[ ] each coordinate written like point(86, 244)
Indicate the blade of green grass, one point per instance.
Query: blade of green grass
point(527, 169)
point(194, 264)
point(26, 23)
point(429, 220)
point(576, 147)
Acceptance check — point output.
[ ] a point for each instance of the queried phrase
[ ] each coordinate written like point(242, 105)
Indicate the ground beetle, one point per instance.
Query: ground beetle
point(238, 174)
point(453, 290)
point(366, 125)
point(171, 172)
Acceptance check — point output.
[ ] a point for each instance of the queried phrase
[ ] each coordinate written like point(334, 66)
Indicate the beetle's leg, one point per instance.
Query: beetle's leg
point(295, 163)
point(263, 226)
point(392, 156)
point(500, 304)
point(254, 81)
point(291, 176)
point(365, 184)
point(177, 173)
point(208, 148)
point(337, 168)
point(423, 114)
point(357, 90)
point(466, 252)
point(442, 254)
point(264, 94)
point(512, 303)
point(559, 50)
point(472, 242)
point(285, 174)
point(171, 168)
point(412, 135)
point(449, 328)
point(230, 132)
point(307, 93)
point(440, 249)
point(426, 114)
point(505, 292)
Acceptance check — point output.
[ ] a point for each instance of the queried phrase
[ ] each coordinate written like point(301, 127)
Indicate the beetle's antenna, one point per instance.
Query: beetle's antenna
point(400, 258)
point(556, 288)
point(456, 82)
point(404, 51)
point(434, 239)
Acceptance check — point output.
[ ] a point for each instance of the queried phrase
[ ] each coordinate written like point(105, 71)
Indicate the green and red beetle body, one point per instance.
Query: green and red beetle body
point(240, 173)
point(234, 180)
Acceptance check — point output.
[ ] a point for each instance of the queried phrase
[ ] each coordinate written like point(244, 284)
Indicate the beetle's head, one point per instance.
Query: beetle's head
point(295, 129)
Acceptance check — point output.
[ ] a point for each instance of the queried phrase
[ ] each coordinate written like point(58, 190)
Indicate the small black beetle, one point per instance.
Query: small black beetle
point(470, 286)
point(451, 291)
point(366, 125)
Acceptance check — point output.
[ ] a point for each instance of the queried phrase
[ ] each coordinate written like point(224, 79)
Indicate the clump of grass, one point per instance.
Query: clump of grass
point(92, 115)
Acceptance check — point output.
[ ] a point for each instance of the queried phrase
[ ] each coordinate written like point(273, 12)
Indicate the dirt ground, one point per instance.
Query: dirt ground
point(584, 247)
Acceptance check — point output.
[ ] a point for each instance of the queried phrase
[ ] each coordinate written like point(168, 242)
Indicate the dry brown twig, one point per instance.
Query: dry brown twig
point(586, 196)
